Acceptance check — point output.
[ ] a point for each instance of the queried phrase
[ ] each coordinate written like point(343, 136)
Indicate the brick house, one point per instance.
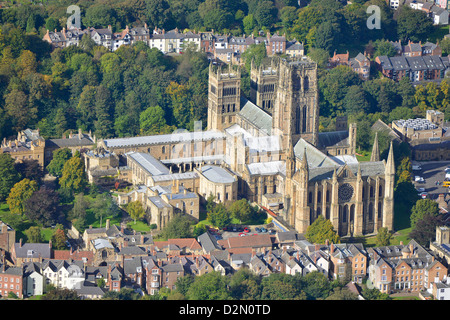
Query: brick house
point(7, 236)
point(11, 280)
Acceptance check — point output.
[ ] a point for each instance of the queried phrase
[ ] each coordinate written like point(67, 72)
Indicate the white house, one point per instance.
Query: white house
point(33, 280)
point(63, 274)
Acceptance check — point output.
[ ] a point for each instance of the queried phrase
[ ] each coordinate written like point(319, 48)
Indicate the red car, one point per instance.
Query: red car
point(246, 229)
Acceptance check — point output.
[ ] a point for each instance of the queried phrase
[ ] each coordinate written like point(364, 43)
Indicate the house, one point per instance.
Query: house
point(86, 291)
point(292, 265)
point(440, 15)
point(33, 279)
point(185, 246)
point(417, 68)
point(361, 65)
point(63, 273)
point(102, 37)
point(114, 277)
point(11, 280)
point(259, 242)
point(75, 142)
point(441, 290)
point(259, 266)
point(133, 272)
point(339, 59)
point(30, 252)
point(121, 38)
point(295, 48)
point(29, 145)
point(7, 236)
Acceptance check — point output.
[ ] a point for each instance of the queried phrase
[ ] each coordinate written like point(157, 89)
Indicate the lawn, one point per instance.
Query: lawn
point(362, 155)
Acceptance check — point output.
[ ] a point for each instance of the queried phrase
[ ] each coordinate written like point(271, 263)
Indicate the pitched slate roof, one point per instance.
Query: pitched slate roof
point(314, 156)
point(255, 115)
point(33, 250)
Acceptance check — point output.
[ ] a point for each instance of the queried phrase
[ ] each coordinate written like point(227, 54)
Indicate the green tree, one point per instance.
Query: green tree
point(320, 231)
point(241, 210)
point(374, 294)
point(324, 38)
point(60, 294)
point(384, 48)
point(422, 208)
point(249, 23)
point(60, 157)
point(219, 216)
point(19, 194)
point(280, 286)
point(316, 285)
point(209, 286)
point(59, 239)
point(135, 210)
point(424, 231)
point(288, 15)
point(178, 227)
point(152, 121)
point(103, 206)
point(265, 14)
point(413, 25)
point(342, 294)
point(245, 285)
point(34, 234)
point(100, 16)
point(73, 175)
point(384, 237)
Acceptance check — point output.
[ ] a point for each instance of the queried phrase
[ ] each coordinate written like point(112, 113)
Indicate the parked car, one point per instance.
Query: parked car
point(246, 229)
point(421, 189)
point(263, 230)
point(257, 229)
point(271, 231)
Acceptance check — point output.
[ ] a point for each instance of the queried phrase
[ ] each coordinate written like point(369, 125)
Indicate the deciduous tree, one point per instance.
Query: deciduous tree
point(19, 194)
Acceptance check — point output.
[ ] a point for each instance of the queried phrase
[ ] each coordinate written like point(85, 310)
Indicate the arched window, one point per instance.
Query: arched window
point(319, 197)
point(380, 209)
point(328, 196)
point(310, 197)
point(304, 118)
point(370, 211)
point(306, 83)
point(297, 121)
point(380, 191)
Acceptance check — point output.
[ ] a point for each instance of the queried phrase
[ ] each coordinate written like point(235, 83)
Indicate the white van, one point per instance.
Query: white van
point(416, 167)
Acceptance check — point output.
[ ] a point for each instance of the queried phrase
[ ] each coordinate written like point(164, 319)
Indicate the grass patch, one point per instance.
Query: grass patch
point(140, 226)
point(362, 155)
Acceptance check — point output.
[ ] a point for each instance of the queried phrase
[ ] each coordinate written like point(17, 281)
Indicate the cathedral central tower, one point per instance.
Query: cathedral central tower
point(296, 111)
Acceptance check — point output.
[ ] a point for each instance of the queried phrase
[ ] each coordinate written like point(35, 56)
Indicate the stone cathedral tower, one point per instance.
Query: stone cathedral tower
point(224, 94)
point(296, 110)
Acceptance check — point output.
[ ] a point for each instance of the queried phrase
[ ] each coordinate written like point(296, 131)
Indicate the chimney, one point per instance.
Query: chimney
point(50, 243)
point(20, 242)
point(332, 248)
point(79, 133)
point(107, 224)
point(327, 242)
point(109, 28)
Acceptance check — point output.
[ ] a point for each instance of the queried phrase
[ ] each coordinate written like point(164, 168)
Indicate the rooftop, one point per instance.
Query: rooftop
point(217, 174)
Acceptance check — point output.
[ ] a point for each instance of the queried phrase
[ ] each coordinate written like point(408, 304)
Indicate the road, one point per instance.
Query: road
point(432, 171)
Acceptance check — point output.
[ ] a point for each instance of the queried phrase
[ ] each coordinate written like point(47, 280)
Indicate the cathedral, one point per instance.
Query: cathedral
point(266, 148)
point(285, 163)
